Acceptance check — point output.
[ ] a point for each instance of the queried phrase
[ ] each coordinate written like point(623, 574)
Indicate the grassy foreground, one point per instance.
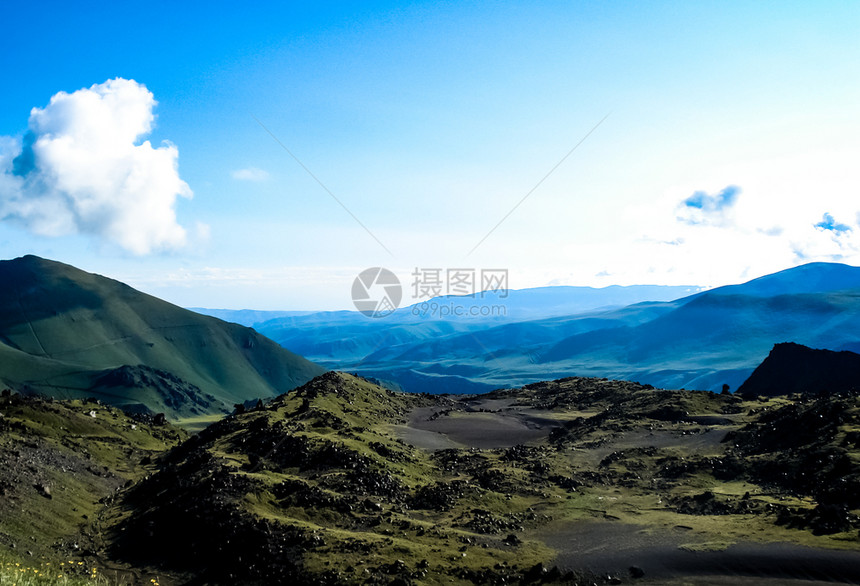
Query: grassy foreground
point(344, 482)
point(63, 573)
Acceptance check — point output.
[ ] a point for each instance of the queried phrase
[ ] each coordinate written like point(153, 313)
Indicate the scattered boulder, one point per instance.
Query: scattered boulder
point(826, 519)
point(44, 490)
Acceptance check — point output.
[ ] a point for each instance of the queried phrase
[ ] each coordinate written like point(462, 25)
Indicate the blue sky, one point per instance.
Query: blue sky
point(429, 122)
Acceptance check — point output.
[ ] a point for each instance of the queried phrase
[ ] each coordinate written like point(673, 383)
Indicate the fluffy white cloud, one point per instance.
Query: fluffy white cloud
point(81, 168)
point(250, 174)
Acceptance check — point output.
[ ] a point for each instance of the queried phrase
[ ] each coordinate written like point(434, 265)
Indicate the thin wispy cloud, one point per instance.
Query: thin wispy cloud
point(761, 215)
point(709, 209)
point(250, 174)
point(81, 168)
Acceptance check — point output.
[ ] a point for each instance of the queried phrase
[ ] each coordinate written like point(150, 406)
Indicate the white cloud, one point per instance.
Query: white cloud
point(784, 211)
point(715, 209)
point(250, 174)
point(81, 169)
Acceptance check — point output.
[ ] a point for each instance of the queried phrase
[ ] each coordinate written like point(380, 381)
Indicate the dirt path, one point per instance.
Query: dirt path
point(614, 548)
point(474, 424)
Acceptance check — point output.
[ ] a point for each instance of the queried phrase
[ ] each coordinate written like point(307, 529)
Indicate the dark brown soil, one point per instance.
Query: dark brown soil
point(614, 548)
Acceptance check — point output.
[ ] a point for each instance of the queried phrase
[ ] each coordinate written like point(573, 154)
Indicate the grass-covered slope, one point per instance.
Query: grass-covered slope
point(343, 482)
point(315, 486)
point(60, 461)
point(68, 333)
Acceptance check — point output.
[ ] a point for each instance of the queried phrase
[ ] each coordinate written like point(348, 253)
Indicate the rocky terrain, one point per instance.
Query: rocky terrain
point(577, 480)
point(61, 463)
point(343, 482)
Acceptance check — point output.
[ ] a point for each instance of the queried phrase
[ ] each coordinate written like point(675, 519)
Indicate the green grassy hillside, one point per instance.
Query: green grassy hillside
point(576, 480)
point(65, 332)
point(343, 482)
point(60, 462)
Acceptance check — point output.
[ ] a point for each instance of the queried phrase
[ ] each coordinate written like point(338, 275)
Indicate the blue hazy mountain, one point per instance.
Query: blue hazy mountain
point(338, 338)
point(712, 339)
point(701, 340)
point(815, 277)
point(516, 305)
point(246, 317)
point(539, 302)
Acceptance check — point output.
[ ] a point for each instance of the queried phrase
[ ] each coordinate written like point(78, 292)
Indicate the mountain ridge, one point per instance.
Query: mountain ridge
point(701, 341)
point(62, 328)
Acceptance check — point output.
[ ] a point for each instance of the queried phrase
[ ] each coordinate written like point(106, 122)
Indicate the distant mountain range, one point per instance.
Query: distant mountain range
point(247, 317)
point(515, 305)
point(70, 334)
point(702, 340)
point(339, 337)
point(67, 333)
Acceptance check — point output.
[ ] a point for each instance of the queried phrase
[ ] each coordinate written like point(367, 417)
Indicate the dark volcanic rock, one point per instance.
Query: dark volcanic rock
point(201, 526)
point(175, 391)
point(797, 447)
point(792, 368)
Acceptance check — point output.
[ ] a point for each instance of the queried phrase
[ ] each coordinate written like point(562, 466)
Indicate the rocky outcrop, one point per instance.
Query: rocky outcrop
point(792, 368)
